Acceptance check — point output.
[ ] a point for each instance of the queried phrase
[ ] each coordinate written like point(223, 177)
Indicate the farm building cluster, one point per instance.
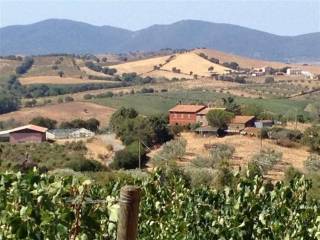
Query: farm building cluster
point(196, 114)
point(36, 134)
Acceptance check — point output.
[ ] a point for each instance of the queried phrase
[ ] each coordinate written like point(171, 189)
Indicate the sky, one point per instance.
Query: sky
point(282, 17)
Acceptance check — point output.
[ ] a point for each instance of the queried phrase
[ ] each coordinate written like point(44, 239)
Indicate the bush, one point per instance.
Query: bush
point(291, 173)
point(128, 158)
point(68, 99)
point(87, 96)
point(312, 164)
point(25, 65)
point(44, 122)
point(311, 138)
point(84, 165)
point(266, 159)
point(171, 151)
point(269, 80)
point(218, 156)
point(285, 143)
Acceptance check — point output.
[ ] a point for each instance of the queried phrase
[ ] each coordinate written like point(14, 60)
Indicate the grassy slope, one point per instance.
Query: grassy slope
point(160, 103)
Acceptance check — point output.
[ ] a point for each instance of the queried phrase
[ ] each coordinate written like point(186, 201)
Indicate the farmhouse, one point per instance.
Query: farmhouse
point(184, 114)
point(27, 133)
point(239, 123)
point(294, 71)
point(72, 133)
point(202, 115)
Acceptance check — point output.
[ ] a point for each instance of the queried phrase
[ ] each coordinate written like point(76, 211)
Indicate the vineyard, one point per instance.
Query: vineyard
point(41, 206)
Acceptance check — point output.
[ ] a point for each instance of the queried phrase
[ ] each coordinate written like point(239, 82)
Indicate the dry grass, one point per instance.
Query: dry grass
point(246, 62)
point(8, 66)
point(191, 62)
point(43, 66)
point(246, 148)
point(140, 66)
point(62, 112)
point(167, 74)
point(56, 80)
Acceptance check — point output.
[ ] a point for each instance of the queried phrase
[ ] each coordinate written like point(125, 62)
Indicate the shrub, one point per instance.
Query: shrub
point(128, 158)
point(312, 163)
point(291, 173)
point(68, 99)
point(44, 122)
point(285, 143)
point(266, 159)
point(311, 138)
point(218, 156)
point(84, 165)
point(269, 80)
point(87, 96)
point(172, 150)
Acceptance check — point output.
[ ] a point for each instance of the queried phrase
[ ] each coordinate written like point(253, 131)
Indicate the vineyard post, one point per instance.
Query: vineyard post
point(128, 213)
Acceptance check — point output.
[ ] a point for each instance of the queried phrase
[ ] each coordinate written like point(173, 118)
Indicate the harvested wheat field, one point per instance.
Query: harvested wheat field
point(8, 66)
point(246, 62)
point(140, 66)
point(192, 62)
point(167, 74)
point(55, 80)
point(62, 112)
point(245, 148)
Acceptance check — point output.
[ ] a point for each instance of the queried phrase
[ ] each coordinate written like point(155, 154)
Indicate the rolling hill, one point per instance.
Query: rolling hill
point(56, 35)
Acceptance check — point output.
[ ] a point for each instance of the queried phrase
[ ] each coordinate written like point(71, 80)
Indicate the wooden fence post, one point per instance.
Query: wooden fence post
point(128, 213)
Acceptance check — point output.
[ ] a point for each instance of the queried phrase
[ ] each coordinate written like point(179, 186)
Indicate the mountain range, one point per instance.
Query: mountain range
point(67, 36)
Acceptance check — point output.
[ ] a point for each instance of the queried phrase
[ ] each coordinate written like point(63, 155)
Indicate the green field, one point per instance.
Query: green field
point(148, 104)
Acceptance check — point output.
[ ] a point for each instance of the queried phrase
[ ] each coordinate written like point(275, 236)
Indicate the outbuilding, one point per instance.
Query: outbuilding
point(71, 133)
point(25, 134)
point(239, 123)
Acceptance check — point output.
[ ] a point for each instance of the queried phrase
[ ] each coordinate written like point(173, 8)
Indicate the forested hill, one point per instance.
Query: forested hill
point(66, 36)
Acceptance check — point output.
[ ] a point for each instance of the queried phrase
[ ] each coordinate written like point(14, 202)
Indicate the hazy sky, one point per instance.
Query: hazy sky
point(283, 17)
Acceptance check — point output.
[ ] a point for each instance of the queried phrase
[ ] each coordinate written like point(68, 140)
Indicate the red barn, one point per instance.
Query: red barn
point(28, 133)
point(184, 114)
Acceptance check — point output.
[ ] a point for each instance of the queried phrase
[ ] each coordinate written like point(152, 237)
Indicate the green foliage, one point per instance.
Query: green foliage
point(130, 127)
point(266, 159)
point(291, 173)
point(269, 80)
point(311, 137)
point(218, 156)
point(49, 207)
point(219, 118)
point(171, 151)
point(312, 163)
point(231, 106)
point(128, 158)
point(44, 155)
point(91, 124)
point(283, 133)
point(44, 122)
point(25, 65)
point(81, 165)
point(8, 102)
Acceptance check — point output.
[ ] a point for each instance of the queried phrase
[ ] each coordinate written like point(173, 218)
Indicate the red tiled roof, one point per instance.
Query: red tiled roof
point(241, 119)
point(206, 110)
point(31, 127)
point(187, 108)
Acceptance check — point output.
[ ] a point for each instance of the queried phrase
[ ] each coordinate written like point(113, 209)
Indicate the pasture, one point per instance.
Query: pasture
point(148, 104)
point(62, 112)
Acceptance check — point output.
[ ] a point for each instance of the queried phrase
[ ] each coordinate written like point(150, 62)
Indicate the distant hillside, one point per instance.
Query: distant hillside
point(54, 36)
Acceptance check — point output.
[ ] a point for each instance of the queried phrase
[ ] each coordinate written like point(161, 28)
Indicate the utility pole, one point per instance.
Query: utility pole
point(139, 154)
point(296, 118)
